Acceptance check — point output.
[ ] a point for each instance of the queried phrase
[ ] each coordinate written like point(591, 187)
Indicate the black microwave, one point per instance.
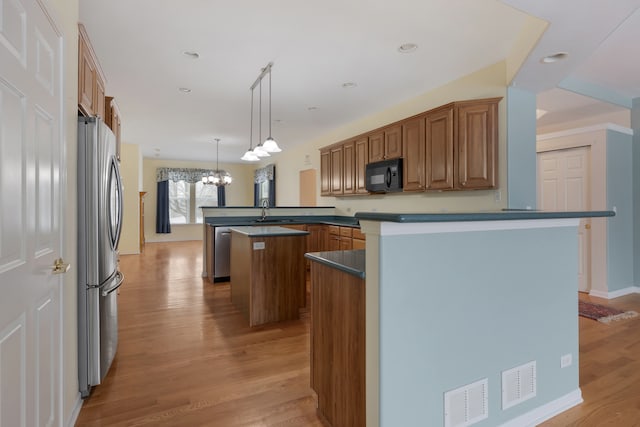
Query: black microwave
point(384, 176)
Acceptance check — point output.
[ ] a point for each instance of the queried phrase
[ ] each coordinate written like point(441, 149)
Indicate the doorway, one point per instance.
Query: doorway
point(564, 184)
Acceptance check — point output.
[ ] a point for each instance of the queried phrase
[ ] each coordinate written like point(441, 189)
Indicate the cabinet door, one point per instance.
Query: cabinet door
point(477, 142)
point(345, 244)
point(393, 142)
point(413, 147)
point(325, 173)
point(336, 170)
point(439, 149)
point(334, 242)
point(360, 164)
point(349, 158)
point(99, 100)
point(86, 78)
point(376, 147)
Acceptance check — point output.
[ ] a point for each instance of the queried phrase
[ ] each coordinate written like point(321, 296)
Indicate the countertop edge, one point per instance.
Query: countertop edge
point(351, 268)
point(477, 216)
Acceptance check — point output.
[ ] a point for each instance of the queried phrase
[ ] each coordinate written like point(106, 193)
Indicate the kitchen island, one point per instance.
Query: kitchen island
point(268, 273)
point(469, 317)
point(337, 336)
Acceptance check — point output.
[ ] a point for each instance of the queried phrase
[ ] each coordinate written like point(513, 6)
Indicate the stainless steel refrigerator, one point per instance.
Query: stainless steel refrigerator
point(99, 226)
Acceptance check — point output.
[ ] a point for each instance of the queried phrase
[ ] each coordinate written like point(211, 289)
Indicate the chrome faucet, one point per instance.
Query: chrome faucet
point(265, 206)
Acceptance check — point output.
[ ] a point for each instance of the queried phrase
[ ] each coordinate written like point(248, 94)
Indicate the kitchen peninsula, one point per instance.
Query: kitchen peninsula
point(268, 273)
point(467, 317)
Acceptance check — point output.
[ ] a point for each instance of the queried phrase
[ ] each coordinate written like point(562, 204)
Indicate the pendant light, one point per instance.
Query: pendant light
point(250, 156)
point(218, 177)
point(270, 144)
point(259, 150)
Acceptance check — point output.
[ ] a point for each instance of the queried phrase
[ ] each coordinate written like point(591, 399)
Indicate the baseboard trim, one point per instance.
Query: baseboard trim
point(616, 294)
point(76, 411)
point(548, 411)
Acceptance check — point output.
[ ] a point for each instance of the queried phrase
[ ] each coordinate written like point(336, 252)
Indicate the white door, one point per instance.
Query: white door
point(564, 184)
point(30, 216)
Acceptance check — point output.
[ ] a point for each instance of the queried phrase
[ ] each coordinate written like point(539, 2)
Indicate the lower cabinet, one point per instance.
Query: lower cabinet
point(338, 345)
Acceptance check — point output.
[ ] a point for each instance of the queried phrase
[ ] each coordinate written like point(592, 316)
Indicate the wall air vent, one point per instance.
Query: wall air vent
point(466, 405)
point(518, 384)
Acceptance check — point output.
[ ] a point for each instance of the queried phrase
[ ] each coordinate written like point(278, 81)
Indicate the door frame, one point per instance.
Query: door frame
point(595, 138)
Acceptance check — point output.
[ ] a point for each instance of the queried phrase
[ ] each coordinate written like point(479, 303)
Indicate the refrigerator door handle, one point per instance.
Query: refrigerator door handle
point(117, 285)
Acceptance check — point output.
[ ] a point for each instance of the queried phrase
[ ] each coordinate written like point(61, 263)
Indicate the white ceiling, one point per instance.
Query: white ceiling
point(318, 46)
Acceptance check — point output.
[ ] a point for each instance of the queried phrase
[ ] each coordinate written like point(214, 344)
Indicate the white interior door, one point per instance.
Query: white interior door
point(30, 217)
point(564, 184)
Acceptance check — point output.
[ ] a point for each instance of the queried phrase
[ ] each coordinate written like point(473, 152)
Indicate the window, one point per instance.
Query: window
point(185, 198)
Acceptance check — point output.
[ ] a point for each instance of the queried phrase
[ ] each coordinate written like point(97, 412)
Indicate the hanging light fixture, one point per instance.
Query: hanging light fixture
point(250, 156)
point(269, 145)
point(217, 177)
point(259, 150)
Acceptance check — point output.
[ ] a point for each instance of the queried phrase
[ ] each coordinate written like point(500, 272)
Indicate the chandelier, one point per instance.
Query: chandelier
point(269, 145)
point(217, 177)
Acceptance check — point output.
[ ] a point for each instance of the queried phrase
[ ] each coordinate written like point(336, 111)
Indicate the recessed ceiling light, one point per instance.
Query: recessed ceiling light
point(407, 47)
point(191, 54)
point(349, 85)
point(184, 89)
point(554, 58)
point(156, 149)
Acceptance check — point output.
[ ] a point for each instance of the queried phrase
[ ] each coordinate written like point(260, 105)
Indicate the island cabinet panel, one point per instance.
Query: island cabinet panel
point(477, 141)
point(209, 242)
point(338, 345)
point(413, 147)
point(360, 165)
point(348, 172)
point(268, 277)
point(325, 172)
point(439, 149)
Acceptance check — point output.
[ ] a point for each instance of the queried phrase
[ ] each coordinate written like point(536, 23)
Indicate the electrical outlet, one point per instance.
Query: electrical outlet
point(497, 195)
point(566, 360)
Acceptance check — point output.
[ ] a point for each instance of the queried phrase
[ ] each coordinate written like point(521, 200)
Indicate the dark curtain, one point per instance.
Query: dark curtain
point(222, 196)
point(256, 195)
point(162, 208)
point(272, 192)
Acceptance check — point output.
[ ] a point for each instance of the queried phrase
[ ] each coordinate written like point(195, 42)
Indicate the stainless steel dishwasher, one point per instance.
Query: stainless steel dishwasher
point(222, 254)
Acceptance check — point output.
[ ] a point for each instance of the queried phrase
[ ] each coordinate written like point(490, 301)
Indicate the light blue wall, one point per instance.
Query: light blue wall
point(521, 148)
point(459, 307)
point(619, 195)
point(635, 124)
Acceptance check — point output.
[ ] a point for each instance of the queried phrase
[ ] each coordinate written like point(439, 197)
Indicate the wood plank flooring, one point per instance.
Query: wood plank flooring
point(186, 357)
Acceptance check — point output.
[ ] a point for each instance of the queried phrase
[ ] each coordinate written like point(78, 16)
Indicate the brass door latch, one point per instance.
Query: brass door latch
point(60, 267)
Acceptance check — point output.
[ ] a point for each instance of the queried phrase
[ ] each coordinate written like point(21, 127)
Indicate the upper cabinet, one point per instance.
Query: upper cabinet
point(385, 144)
point(112, 119)
point(477, 144)
point(91, 86)
point(452, 147)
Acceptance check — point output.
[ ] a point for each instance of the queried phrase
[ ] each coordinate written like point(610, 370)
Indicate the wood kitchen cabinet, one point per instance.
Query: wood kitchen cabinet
point(413, 147)
point(360, 164)
point(439, 145)
point(338, 358)
point(325, 172)
point(348, 167)
point(112, 119)
point(91, 87)
point(385, 144)
point(452, 147)
point(318, 239)
point(477, 144)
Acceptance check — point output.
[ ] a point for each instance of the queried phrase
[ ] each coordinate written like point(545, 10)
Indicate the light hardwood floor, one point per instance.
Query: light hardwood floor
point(186, 357)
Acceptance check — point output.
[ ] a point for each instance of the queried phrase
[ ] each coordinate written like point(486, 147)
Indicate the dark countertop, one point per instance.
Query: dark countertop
point(282, 220)
point(260, 207)
point(351, 262)
point(478, 216)
point(268, 231)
